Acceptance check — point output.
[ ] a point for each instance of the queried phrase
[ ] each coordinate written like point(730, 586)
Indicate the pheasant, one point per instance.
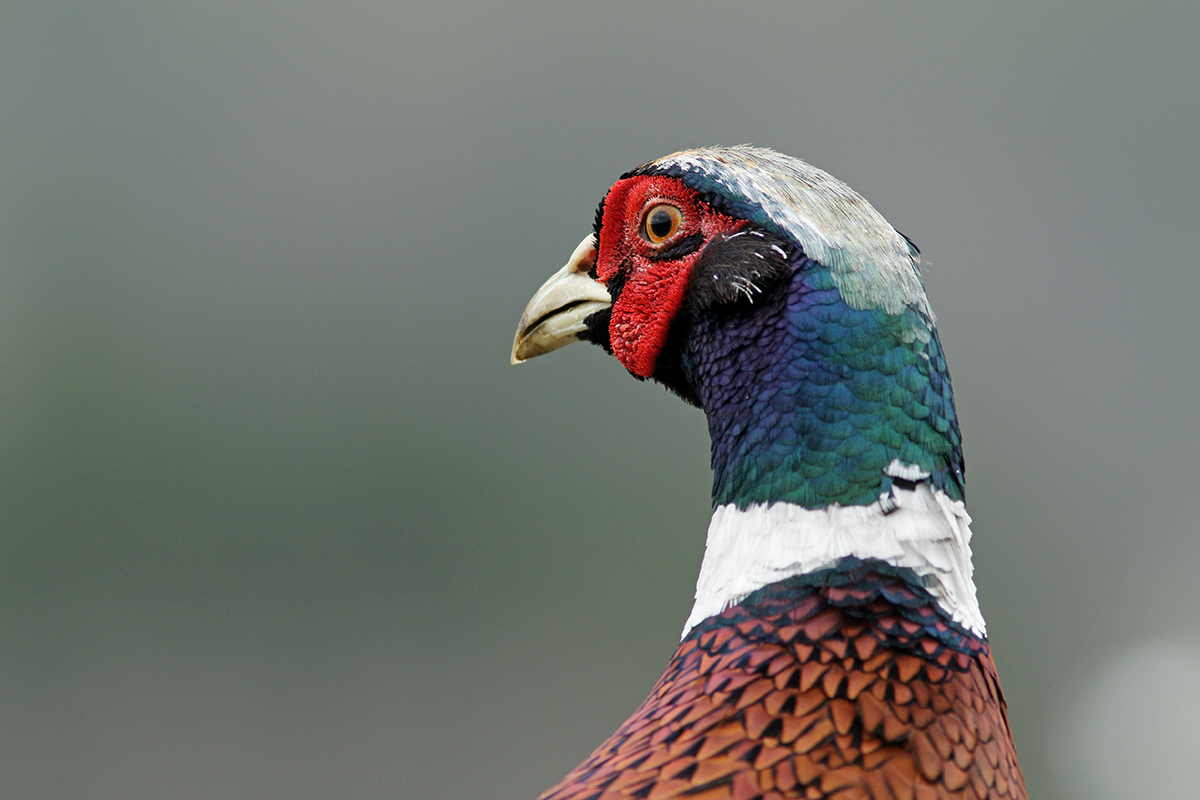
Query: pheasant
point(836, 648)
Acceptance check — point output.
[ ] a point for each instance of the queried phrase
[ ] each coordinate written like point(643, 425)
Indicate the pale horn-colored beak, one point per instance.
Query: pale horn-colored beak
point(555, 316)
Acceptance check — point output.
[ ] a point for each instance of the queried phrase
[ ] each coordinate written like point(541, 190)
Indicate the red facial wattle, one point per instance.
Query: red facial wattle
point(654, 286)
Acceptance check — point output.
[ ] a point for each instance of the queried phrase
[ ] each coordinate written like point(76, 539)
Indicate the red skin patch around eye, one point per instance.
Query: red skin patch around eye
point(654, 290)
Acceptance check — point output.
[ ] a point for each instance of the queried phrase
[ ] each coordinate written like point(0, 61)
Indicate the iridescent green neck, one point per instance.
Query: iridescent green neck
point(809, 401)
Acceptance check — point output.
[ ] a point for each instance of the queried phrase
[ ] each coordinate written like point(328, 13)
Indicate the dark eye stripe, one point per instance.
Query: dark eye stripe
point(686, 245)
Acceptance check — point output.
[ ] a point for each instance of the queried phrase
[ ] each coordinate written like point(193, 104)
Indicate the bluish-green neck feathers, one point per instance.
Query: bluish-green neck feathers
point(810, 401)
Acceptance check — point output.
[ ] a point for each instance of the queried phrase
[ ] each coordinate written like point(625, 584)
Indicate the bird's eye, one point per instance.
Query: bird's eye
point(661, 223)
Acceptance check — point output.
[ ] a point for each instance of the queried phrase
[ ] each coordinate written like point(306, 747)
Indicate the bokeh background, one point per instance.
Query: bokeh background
point(278, 519)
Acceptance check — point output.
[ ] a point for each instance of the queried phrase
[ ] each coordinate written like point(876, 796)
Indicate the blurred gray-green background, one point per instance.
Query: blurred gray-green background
point(278, 519)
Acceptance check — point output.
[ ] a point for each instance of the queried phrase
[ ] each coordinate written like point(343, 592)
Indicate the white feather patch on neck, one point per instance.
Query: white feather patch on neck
point(922, 530)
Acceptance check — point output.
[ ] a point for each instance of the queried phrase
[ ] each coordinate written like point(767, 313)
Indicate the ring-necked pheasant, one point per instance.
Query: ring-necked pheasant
point(836, 648)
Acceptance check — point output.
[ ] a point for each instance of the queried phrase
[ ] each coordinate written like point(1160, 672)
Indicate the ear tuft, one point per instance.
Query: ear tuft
point(739, 267)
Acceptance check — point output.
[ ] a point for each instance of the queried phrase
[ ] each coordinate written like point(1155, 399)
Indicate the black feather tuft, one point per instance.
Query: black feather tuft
point(736, 268)
point(596, 331)
point(598, 222)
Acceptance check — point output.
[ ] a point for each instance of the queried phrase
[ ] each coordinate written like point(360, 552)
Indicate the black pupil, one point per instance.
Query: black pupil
point(660, 224)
